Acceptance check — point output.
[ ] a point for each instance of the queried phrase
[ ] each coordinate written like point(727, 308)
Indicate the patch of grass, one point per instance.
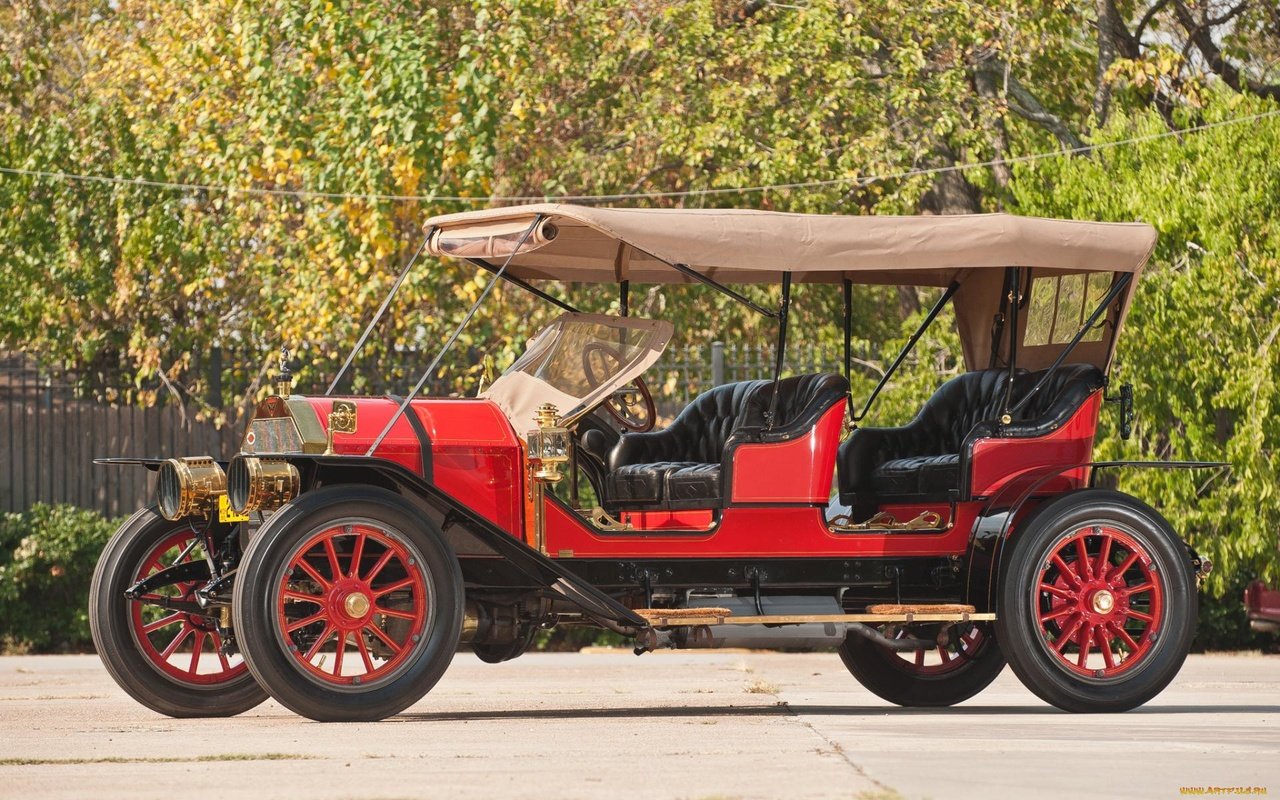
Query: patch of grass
point(761, 687)
point(41, 762)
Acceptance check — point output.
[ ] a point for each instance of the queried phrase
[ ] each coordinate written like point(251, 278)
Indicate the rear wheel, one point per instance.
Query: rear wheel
point(948, 674)
point(1097, 605)
point(172, 660)
point(352, 605)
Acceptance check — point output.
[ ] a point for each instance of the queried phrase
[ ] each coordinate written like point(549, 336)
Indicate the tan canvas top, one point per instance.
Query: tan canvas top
point(606, 245)
point(589, 244)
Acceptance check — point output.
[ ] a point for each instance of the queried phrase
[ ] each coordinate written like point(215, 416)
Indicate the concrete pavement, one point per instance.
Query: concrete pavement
point(666, 725)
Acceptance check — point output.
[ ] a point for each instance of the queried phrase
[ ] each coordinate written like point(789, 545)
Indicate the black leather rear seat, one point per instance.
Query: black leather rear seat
point(921, 461)
point(681, 466)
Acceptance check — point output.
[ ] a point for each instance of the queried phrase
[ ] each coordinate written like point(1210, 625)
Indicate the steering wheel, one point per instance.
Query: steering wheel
point(632, 405)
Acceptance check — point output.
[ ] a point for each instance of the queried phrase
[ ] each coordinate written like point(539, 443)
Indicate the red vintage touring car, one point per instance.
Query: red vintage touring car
point(341, 559)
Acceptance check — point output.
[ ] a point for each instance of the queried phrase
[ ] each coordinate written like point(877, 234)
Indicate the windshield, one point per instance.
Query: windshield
point(575, 363)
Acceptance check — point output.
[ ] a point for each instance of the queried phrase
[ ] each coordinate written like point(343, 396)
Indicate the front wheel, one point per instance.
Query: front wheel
point(1097, 605)
point(348, 605)
point(964, 664)
point(162, 648)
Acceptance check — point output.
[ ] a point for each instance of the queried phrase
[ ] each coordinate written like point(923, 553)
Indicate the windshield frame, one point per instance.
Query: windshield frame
point(520, 390)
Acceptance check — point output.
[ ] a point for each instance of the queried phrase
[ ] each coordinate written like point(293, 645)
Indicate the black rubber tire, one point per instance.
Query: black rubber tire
point(257, 587)
point(886, 675)
point(114, 638)
point(1018, 628)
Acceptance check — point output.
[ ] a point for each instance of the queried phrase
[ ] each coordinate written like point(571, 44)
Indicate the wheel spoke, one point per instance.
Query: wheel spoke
point(305, 621)
point(162, 622)
point(944, 655)
point(364, 653)
point(1139, 615)
point(1124, 636)
point(1059, 614)
point(387, 640)
point(177, 641)
point(1123, 568)
point(407, 582)
point(920, 658)
point(195, 653)
point(1084, 567)
point(1104, 555)
point(339, 651)
point(1057, 591)
point(314, 573)
point(377, 568)
point(334, 569)
point(1065, 637)
point(1140, 588)
point(315, 648)
point(1084, 644)
point(216, 640)
point(356, 552)
point(1066, 571)
point(391, 612)
point(302, 597)
point(1104, 644)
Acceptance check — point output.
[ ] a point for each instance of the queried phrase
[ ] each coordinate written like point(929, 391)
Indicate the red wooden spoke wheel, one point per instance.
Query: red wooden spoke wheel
point(348, 604)
point(172, 660)
point(183, 645)
point(1099, 600)
point(962, 648)
point(352, 602)
point(942, 676)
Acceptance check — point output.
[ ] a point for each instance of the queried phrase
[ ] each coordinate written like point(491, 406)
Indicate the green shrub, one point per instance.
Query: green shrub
point(47, 555)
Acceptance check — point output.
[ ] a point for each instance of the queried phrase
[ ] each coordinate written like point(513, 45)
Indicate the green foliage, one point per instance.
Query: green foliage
point(47, 556)
point(1200, 345)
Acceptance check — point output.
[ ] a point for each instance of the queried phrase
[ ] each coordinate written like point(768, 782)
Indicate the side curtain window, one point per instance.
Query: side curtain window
point(1060, 304)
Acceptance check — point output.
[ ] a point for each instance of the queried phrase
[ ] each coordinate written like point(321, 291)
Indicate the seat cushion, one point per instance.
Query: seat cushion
point(932, 476)
point(642, 484)
point(694, 485)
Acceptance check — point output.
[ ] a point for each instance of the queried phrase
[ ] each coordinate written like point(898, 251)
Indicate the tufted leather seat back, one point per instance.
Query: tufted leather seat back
point(802, 399)
point(698, 434)
point(965, 407)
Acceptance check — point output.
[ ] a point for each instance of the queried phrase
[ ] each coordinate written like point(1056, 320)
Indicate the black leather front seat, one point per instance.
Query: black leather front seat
point(921, 461)
point(681, 466)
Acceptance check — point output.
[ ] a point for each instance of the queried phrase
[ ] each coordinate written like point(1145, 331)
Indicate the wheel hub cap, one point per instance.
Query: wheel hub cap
point(357, 605)
point(1103, 602)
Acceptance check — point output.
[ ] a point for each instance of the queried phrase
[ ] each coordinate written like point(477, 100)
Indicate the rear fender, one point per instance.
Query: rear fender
point(1008, 508)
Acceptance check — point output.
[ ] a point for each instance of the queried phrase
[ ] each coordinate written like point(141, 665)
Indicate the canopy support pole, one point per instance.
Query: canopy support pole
point(523, 284)
point(725, 290)
point(624, 298)
point(1015, 300)
point(395, 287)
point(906, 350)
point(435, 362)
point(1112, 294)
point(784, 308)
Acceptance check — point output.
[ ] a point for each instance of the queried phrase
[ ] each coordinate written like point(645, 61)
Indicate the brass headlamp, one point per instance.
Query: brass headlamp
point(189, 486)
point(548, 445)
point(261, 484)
